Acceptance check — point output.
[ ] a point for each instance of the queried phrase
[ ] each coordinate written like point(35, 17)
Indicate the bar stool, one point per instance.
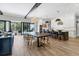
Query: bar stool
point(54, 34)
point(60, 35)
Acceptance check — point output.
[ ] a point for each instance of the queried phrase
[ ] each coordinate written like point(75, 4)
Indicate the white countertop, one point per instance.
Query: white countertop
point(4, 37)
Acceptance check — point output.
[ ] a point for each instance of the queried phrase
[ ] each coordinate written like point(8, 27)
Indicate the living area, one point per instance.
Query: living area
point(33, 29)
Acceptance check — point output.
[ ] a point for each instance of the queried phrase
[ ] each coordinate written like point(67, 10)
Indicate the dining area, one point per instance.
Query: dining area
point(42, 31)
point(43, 38)
point(40, 38)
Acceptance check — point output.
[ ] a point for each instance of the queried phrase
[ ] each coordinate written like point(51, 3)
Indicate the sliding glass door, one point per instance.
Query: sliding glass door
point(27, 27)
point(22, 27)
point(16, 26)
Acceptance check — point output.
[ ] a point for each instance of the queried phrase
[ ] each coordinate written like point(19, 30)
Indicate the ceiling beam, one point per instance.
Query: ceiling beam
point(33, 8)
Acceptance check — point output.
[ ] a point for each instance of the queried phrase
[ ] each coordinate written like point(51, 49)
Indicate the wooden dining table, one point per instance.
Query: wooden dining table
point(38, 36)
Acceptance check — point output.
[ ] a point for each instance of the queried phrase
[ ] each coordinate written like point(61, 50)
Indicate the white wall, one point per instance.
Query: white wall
point(66, 12)
point(68, 24)
point(39, 23)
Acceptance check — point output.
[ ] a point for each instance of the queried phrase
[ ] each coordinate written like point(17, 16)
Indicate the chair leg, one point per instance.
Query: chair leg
point(62, 38)
point(48, 40)
point(59, 37)
point(27, 42)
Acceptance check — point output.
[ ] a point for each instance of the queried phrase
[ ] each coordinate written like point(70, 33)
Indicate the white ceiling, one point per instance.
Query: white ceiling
point(44, 10)
point(16, 8)
point(55, 9)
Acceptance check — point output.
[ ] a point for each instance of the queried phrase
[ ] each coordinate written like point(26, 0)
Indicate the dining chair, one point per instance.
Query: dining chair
point(29, 40)
point(54, 34)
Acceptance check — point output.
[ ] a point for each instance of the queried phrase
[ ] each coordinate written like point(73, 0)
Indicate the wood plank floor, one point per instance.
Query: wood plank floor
point(55, 48)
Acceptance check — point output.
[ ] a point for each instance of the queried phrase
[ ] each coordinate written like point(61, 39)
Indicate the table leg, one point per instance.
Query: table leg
point(38, 42)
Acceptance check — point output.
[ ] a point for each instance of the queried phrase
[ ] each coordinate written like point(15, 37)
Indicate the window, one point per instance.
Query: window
point(1, 25)
point(28, 27)
point(16, 26)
